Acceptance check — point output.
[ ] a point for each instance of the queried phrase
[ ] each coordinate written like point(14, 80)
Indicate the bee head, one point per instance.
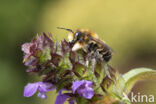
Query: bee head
point(76, 38)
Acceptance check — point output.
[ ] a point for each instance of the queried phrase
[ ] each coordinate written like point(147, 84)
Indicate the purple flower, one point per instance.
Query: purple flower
point(61, 98)
point(83, 88)
point(42, 87)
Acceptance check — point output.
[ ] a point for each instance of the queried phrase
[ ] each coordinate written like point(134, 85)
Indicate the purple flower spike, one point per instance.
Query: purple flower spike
point(42, 87)
point(83, 88)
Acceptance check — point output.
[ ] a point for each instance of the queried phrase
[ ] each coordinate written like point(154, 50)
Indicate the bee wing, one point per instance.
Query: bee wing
point(104, 45)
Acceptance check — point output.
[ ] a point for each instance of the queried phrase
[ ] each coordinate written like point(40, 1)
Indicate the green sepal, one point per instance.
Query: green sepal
point(116, 89)
point(63, 83)
point(81, 100)
point(79, 69)
point(45, 56)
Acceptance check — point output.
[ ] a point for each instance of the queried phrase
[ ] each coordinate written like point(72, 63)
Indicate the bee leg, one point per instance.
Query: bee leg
point(108, 74)
point(93, 64)
point(107, 71)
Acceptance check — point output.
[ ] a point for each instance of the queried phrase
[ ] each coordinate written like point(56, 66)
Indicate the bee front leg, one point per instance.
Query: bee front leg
point(106, 70)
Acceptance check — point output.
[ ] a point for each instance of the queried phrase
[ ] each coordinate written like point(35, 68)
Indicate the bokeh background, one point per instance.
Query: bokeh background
point(128, 26)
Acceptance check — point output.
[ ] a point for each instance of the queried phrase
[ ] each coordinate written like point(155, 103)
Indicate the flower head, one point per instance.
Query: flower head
point(83, 88)
point(42, 87)
point(59, 66)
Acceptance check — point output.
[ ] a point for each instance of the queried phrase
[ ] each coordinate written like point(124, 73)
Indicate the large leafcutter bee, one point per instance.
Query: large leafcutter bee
point(90, 43)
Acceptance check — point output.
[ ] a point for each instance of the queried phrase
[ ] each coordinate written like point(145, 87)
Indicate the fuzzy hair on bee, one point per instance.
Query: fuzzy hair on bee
point(90, 43)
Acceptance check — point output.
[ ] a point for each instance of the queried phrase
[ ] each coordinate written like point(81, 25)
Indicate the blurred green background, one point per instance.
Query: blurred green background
point(128, 26)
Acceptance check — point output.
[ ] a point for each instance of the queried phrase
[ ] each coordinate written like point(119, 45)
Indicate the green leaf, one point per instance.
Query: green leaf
point(136, 75)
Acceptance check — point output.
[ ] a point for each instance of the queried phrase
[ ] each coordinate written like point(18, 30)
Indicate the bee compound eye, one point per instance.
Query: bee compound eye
point(78, 35)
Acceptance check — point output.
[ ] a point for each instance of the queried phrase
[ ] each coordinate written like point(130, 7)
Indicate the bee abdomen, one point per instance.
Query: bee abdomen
point(99, 52)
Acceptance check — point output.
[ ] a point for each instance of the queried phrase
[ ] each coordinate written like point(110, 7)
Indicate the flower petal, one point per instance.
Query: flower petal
point(30, 61)
point(30, 89)
point(42, 95)
point(77, 84)
point(88, 83)
point(45, 87)
point(72, 102)
point(88, 93)
point(83, 88)
point(26, 47)
point(61, 98)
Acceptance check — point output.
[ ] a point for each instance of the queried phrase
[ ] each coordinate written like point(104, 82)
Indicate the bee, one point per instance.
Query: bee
point(90, 43)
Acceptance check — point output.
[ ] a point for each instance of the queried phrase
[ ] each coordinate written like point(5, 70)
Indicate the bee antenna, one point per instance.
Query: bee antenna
point(65, 29)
